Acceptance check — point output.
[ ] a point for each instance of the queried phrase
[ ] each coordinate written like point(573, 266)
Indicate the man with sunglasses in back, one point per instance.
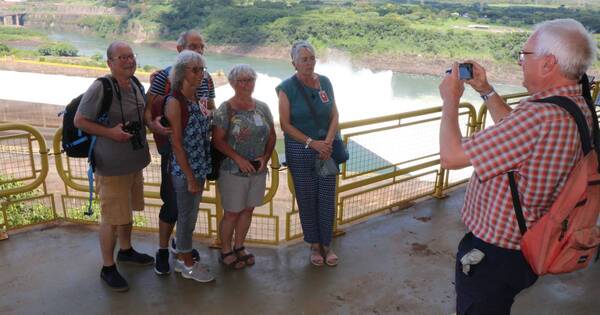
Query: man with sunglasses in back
point(120, 154)
point(160, 85)
point(538, 141)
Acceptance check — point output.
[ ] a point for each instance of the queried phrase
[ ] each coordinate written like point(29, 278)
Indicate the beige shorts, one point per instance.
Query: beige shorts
point(119, 195)
point(240, 192)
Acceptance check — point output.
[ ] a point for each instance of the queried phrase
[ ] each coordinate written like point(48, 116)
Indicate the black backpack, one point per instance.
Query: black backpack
point(79, 144)
point(75, 142)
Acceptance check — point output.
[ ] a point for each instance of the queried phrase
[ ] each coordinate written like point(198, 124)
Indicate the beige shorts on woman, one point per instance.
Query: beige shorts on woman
point(241, 192)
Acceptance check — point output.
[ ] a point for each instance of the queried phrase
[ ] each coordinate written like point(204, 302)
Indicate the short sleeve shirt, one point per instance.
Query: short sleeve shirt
point(116, 158)
point(300, 114)
point(205, 91)
point(541, 143)
point(248, 131)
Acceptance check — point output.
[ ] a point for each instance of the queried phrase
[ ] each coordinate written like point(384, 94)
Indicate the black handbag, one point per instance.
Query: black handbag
point(217, 157)
point(339, 152)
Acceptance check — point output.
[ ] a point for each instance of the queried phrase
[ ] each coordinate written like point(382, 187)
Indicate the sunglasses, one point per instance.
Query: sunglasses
point(197, 70)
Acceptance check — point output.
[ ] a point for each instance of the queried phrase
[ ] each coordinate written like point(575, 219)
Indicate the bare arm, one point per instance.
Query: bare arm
point(220, 142)
point(269, 147)
point(154, 125)
point(173, 113)
point(496, 106)
point(320, 146)
point(452, 154)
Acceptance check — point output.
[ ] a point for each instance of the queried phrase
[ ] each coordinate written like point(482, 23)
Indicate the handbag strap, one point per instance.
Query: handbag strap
point(309, 102)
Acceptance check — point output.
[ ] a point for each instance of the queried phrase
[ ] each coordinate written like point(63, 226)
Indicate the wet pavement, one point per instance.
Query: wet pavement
point(397, 263)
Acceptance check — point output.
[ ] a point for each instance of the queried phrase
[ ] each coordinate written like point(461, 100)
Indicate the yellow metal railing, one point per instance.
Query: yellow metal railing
point(394, 162)
point(23, 169)
point(73, 172)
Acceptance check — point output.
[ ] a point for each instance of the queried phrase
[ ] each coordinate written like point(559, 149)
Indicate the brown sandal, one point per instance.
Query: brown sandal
point(234, 264)
point(248, 259)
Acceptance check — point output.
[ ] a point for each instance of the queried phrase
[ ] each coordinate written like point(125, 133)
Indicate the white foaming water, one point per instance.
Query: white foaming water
point(42, 88)
point(359, 94)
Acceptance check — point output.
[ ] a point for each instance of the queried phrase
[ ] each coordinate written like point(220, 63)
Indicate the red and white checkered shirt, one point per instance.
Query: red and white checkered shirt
point(541, 143)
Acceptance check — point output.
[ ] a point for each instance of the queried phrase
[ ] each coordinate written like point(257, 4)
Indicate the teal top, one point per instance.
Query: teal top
point(300, 114)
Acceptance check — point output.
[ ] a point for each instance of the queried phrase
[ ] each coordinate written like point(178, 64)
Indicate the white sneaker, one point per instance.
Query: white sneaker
point(195, 272)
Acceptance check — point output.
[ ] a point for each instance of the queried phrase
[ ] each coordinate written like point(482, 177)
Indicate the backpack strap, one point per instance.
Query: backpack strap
point(138, 84)
point(183, 109)
point(101, 118)
point(586, 92)
point(586, 145)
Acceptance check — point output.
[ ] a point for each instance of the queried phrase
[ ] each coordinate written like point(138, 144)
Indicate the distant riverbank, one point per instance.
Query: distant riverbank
point(498, 73)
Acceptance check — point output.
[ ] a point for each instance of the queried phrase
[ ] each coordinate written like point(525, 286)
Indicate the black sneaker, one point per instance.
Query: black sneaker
point(161, 267)
point(133, 257)
point(113, 279)
point(173, 250)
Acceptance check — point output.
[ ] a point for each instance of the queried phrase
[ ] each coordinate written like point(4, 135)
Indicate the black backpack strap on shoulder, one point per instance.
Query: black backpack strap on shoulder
point(106, 97)
point(514, 191)
point(577, 114)
point(139, 85)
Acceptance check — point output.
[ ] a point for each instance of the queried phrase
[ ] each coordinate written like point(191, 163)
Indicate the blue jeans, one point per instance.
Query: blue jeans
point(187, 214)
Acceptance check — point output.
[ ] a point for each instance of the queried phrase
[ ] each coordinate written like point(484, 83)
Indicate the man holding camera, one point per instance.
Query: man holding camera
point(160, 85)
point(120, 154)
point(538, 141)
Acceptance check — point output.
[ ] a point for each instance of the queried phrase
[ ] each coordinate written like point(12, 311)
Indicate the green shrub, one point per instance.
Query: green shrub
point(21, 213)
point(58, 49)
point(4, 50)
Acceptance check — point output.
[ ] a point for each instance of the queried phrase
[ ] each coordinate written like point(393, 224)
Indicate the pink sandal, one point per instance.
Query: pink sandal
point(331, 259)
point(316, 258)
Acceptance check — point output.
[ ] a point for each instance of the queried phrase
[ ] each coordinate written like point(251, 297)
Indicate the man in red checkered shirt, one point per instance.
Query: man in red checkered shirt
point(539, 141)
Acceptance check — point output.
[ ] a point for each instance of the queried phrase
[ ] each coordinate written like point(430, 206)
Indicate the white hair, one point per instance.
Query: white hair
point(240, 70)
point(177, 73)
point(295, 53)
point(182, 40)
point(569, 42)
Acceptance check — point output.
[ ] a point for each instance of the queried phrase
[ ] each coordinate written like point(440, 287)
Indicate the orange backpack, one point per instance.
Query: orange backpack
point(566, 238)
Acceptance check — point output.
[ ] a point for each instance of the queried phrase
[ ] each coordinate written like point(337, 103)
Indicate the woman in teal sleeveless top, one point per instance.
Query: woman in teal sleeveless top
point(309, 120)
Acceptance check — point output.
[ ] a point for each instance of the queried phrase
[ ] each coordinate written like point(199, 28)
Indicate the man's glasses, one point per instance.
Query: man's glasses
point(197, 70)
point(125, 57)
point(522, 54)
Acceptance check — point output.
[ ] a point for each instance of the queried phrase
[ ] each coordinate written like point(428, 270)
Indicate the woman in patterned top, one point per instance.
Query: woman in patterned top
point(191, 156)
point(243, 131)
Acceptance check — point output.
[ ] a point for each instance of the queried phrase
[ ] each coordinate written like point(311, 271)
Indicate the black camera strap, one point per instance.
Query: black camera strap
point(119, 97)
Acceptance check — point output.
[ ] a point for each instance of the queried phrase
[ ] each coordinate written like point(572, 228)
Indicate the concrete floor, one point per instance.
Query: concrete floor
point(399, 263)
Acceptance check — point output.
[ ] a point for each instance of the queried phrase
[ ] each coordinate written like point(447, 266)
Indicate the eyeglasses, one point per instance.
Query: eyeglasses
point(245, 81)
point(197, 70)
point(522, 54)
point(125, 57)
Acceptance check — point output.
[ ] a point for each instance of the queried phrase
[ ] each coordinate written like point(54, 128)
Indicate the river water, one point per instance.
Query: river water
point(360, 92)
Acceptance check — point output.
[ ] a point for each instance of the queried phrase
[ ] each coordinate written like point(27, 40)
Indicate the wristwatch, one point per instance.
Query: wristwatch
point(308, 141)
point(487, 95)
